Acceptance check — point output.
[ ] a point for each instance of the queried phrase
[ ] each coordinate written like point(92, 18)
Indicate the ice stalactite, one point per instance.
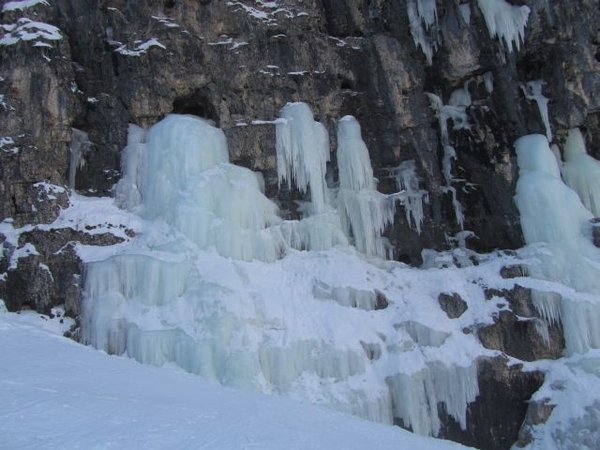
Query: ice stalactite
point(80, 144)
point(505, 21)
point(533, 91)
point(416, 396)
point(422, 16)
point(581, 171)
point(458, 114)
point(303, 152)
point(409, 194)
point(555, 224)
point(365, 212)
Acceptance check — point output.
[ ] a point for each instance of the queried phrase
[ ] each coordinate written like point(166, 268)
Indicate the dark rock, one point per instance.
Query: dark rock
point(514, 271)
point(538, 412)
point(50, 276)
point(520, 331)
point(495, 417)
point(596, 232)
point(381, 301)
point(452, 304)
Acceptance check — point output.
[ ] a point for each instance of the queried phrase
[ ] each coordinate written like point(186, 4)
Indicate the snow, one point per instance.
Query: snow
point(28, 30)
point(139, 47)
point(22, 5)
point(55, 393)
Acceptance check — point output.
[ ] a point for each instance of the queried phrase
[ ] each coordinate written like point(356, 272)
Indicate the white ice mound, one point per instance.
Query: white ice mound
point(179, 171)
point(550, 211)
point(582, 172)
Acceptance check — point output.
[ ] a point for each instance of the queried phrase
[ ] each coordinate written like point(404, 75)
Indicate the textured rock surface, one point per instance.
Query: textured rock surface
point(238, 63)
point(495, 418)
point(517, 331)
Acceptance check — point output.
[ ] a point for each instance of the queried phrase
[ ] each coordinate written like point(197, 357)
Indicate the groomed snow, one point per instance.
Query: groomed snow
point(56, 394)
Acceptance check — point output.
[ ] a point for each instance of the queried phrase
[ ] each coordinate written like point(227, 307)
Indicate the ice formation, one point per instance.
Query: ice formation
point(533, 91)
point(422, 16)
point(554, 219)
point(582, 172)
point(201, 285)
point(181, 174)
point(505, 21)
point(365, 211)
point(80, 144)
point(458, 114)
point(409, 194)
point(303, 152)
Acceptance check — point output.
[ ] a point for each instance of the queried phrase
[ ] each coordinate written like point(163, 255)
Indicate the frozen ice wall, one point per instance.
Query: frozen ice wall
point(212, 284)
point(556, 224)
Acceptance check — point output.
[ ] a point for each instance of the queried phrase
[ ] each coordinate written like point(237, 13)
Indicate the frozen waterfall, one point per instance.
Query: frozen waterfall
point(556, 225)
point(213, 283)
point(582, 172)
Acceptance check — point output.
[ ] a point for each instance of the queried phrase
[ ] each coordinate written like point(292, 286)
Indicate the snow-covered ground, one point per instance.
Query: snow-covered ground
point(57, 394)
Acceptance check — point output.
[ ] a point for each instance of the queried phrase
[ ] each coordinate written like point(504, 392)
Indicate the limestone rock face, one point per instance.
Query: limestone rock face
point(75, 73)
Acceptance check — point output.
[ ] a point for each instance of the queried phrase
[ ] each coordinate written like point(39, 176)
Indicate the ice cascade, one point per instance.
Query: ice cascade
point(582, 172)
point(179, 171)
point(555, 224)
point(202, 284)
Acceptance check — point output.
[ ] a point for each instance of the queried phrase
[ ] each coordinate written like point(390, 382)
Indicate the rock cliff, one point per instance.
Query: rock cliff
point(429, 81)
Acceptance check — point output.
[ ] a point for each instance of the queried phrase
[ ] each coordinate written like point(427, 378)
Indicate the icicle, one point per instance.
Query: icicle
point(461, 97)
point(80, 144)
point(303, 152)
point(364, 211)
point(533, 91)
point(422, 16)
point(415, 397)
point(488, 80)
point(409, 195)
point(505, 21)
point(581, 172)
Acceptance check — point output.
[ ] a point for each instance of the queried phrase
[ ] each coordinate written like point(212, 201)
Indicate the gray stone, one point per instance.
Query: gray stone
point(453, 304)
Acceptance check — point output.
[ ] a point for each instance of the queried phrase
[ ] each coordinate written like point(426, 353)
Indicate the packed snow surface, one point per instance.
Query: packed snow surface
point(55, 394)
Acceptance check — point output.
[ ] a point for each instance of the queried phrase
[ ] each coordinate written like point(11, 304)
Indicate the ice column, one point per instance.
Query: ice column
point(365, 211)
point(303, 152)
point(582, 172)
point(553, 218)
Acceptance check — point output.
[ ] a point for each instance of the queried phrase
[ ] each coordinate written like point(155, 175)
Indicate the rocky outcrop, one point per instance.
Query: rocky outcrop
point(75, 73)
